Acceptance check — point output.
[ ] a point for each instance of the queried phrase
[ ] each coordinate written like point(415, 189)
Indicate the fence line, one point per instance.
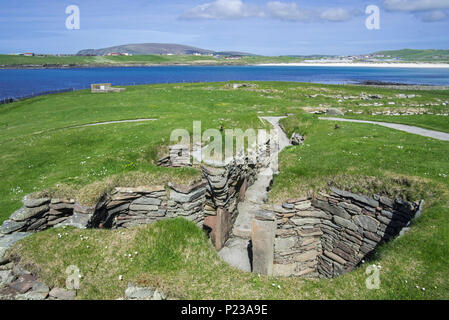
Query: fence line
point(14, 99)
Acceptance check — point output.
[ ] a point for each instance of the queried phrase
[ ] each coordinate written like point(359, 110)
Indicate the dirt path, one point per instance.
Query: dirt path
point(401, 127)
point(111, 122)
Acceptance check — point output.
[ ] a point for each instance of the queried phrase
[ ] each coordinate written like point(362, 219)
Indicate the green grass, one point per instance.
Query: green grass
point(40, 152)
point(418, 55)
point(10, 60)
point(175, 257)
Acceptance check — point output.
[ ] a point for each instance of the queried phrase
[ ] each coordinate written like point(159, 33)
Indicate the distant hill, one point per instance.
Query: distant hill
point(417, 55)
point(156, 48)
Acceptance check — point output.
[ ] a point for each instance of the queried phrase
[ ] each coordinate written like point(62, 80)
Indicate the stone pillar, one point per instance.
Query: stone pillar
point(262, 236)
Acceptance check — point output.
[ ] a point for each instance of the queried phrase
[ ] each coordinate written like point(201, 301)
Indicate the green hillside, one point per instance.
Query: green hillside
point(418, 55)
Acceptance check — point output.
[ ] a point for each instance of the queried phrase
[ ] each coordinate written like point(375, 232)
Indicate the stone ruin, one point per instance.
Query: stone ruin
point(327, 235)
point(104, 88)
point(319, 237)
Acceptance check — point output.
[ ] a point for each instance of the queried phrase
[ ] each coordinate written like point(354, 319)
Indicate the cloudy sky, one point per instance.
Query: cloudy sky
point(263, 27)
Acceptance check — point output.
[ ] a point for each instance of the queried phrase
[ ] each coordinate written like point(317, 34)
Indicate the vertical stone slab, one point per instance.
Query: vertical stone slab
point(242, 191)
point(262, 236)
point(223, 225)
point(211, 223)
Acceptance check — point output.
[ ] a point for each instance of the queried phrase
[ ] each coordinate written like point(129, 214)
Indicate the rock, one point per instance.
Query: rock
point(77, 220)
point(352, 208)
point(146, 201)
point(284, 244)
point(62, 206)
point(306, 256)
point(334, 257)
point(143, 207)
point(284, 270)
point(306, 221)
point(80, 208)
point(139, 293)
point(8, 241)
point(23, 284)
point(7, 266)
point(362, 199)
point(33, 203)
point(32, 295)
point(187, 189)
point(265, 215)
point(10, 226)
point(314, 214)
point(25, 213)
point(19, 271)
point(334, 210)
point(288, 206)
point(158, 296)
point(366, 223)
point(62, 294)
point(334, 112)
point(297, 139)
point(182, 197)
point(386, 201)
point(303, 205)
point(262, 237)
point(345, 223)
point(6, 277)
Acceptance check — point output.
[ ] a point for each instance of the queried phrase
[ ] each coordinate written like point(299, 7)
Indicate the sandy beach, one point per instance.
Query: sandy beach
point(365, 65)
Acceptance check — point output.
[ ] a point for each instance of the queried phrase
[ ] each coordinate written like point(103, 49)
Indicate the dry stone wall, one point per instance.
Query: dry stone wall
point(217, 194)
point(330, 234)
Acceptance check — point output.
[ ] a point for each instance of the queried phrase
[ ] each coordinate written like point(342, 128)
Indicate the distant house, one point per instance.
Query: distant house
point(233, 58)
point(115, 54)
point(28, 54)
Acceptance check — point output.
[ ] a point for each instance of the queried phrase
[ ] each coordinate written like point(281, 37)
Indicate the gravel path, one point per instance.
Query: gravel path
point(402, 127)
point(112, 122)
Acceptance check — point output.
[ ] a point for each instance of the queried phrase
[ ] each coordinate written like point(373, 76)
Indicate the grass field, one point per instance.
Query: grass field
point(41, 152)
point(10, 60)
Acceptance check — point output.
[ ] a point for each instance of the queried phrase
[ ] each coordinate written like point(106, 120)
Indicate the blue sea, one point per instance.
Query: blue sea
point(17, 83)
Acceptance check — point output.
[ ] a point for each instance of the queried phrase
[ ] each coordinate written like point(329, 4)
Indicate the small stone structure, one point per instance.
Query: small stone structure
point(104, 88)
point(179, 157)
point(327, 235)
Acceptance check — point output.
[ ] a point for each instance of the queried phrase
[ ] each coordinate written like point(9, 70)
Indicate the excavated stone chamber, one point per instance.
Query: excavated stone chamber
point(328, 235)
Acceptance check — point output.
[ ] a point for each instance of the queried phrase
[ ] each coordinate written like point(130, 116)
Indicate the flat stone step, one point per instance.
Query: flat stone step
point(236, 253)
point(243, 223)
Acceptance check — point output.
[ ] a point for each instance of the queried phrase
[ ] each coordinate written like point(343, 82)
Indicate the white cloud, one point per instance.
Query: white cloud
point(415, 5)
point(336, 14)
point(223, 9)
point(287, 11)
point(434, 16)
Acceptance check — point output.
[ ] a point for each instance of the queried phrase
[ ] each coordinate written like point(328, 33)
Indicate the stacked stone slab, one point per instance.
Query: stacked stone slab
point(43, 213)
point(179, 157)
point(225, 188)
point(330, 234)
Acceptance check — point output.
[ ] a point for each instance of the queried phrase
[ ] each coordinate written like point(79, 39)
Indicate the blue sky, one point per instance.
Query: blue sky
point(265, 27)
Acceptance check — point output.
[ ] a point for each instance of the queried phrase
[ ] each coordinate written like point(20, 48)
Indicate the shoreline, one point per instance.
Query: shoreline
point(410, 65)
